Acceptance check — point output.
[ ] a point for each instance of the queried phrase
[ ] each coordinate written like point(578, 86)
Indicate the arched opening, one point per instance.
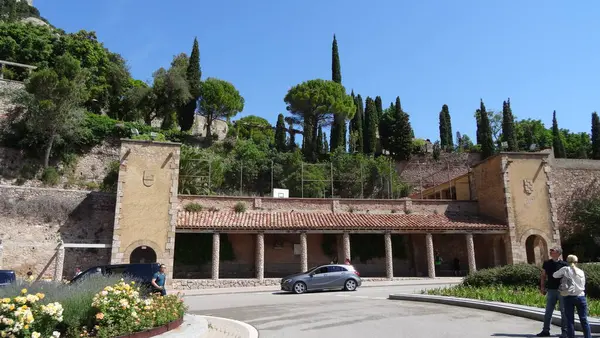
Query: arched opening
point(142, 254)
point(499, 252)
point(536, 249)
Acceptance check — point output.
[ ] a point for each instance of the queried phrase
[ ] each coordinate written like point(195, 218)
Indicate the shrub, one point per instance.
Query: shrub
point(193, 207)
point(510, 275)
point(25, 316)
point(50, 176)
point(239, 207)
point(111, 180)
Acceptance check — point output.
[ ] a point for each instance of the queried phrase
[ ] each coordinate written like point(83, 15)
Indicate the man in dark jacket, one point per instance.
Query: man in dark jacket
point(549, 287)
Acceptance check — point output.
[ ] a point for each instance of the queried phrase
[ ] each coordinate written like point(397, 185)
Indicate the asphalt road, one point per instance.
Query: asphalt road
point(364, 313)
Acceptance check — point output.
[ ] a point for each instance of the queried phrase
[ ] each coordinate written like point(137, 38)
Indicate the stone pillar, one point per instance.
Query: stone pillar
point(430, 256)
point(471, 253)
point(346, 246)
point(216, 254)
point(389, 257)
point(303, 252)
point(260, 256)
point(60, 260)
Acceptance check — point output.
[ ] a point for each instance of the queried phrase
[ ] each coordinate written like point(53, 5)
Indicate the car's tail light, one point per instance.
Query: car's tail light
point(357, 273)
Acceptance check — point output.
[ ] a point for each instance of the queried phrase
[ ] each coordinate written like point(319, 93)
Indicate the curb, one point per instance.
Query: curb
point(231, 327)
point(192, 326)
point(242, 290)
point(509, 309)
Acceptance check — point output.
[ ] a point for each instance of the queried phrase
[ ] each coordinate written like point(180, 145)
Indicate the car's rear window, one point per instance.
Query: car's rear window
point(6, 278)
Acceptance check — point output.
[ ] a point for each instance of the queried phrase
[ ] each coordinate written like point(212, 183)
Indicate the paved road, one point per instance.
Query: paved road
point(364, 313)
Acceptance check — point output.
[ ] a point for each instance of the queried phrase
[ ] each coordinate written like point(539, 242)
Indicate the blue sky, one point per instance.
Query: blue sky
point(544, 55)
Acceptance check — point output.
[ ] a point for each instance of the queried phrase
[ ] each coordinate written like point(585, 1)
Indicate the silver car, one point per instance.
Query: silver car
point(325, 277)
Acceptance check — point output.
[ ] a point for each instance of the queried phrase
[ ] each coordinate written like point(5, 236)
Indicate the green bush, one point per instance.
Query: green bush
point(50, 176)
point(193, 207)
point(111, 180)
point(527, 275)
point(239, 207)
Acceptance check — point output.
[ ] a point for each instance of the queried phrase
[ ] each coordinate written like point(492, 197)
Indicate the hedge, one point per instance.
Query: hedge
point(529, 275)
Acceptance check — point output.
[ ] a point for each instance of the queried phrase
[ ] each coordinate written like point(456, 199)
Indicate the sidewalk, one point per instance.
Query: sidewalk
point(397, 282)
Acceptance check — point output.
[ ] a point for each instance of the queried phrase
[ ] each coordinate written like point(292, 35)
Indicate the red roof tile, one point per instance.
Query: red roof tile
point(206, 220)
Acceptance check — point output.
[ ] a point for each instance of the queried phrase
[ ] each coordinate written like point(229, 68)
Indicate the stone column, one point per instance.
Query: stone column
point(389, 257)
point(216, 254)
point(346, 245)
point(60, 261)
point(260, 256)
point(471, 253)
point(303, 252)
point(430, 256)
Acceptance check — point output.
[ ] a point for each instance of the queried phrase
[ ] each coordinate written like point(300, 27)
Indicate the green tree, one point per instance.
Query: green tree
point(320, 143)
point(532, 134)
point(450, 136)
point(595, 136)
point(386, 127)
point(485, 132)
point(577, 145)
point(403, 134)
point(257, 129)
point(280, 134)
point(445, 129)
point(312, 104)
point(379, 107)
point(170, 91)
point(338, 127)
point(370, 131)
point(508, 127)
point(356, 127)
point(557, 141)
point(50, 106)
point(219, 99)
point(193, 76)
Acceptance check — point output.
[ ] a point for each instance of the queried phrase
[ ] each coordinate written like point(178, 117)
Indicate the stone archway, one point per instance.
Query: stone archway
point(142, 254)
point(536, 249)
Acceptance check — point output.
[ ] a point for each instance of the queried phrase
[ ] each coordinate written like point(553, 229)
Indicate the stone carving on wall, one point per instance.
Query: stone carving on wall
point(528, 186)
point(148, 178)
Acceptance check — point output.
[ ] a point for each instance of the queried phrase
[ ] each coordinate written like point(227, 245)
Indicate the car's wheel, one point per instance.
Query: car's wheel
point(350, 285)
point(299, 287)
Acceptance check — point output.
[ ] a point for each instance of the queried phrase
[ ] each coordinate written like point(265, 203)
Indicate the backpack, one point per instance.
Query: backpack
point(566, 287)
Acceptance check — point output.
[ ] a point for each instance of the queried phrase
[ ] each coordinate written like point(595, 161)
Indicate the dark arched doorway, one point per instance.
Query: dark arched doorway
point(536, 249)
point(143, 254)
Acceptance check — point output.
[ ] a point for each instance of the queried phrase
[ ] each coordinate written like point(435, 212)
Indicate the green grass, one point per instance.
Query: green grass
point(528, 296)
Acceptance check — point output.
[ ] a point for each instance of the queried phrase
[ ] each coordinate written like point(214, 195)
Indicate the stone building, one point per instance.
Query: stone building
point(506, 209)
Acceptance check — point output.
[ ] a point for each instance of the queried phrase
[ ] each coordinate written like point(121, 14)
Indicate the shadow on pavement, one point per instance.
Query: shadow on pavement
point(531, 335)
point(279, 293)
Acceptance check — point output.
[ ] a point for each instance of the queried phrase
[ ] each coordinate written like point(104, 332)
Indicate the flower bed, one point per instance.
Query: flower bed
point(75, 311)
point(529, 296)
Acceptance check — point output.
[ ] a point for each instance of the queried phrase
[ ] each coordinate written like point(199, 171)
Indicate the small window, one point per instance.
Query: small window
point(337, 269)
point(321, 270)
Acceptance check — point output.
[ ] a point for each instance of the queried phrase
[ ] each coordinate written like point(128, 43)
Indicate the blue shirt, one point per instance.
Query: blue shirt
point(160, 278)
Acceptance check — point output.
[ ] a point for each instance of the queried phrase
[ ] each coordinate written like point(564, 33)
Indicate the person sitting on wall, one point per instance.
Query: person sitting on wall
point(159, 280)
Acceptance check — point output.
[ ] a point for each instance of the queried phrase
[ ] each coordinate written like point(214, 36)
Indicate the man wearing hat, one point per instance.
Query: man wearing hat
point(549, 287)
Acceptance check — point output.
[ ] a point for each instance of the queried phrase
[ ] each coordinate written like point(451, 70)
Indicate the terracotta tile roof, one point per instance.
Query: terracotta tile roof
point(206, 220)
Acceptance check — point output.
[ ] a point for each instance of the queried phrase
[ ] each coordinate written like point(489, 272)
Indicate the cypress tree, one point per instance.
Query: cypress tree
point(557, 142)
point(338, 127)
point(357, 125)
point(443, 127)
point(280, 134)
point(595, 136)
point(508, 127)
point(193, 75)
point(485, 131)
point(325, 144)
point(478, 121)
point(403, 133)
point(379, 107)
point(450, 137)
point(319, 147)
point(370, 128)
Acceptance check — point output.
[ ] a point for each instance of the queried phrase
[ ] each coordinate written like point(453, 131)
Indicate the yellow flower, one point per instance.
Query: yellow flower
point(24, 291)
point(6, 300)
point(40, 295)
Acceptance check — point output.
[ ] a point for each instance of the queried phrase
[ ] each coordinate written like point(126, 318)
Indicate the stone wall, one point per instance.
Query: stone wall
point(223, 203)
point(87, 173)
point(572, 179)
point(33, 221)
point(7, 86)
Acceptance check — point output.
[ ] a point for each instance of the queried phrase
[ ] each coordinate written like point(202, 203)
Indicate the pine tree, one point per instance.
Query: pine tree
point(356, 126)
point(403, 133)
point(338, 127)
point(595, 136)
point(485, 133)
point(193, 75)
point(557, 142)
point(443, 127)
point(370, 129)
point(508, 127)
point(280, 134)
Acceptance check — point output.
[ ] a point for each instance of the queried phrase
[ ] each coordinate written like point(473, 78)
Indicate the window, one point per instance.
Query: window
point(321, 270)
point(337, 269)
